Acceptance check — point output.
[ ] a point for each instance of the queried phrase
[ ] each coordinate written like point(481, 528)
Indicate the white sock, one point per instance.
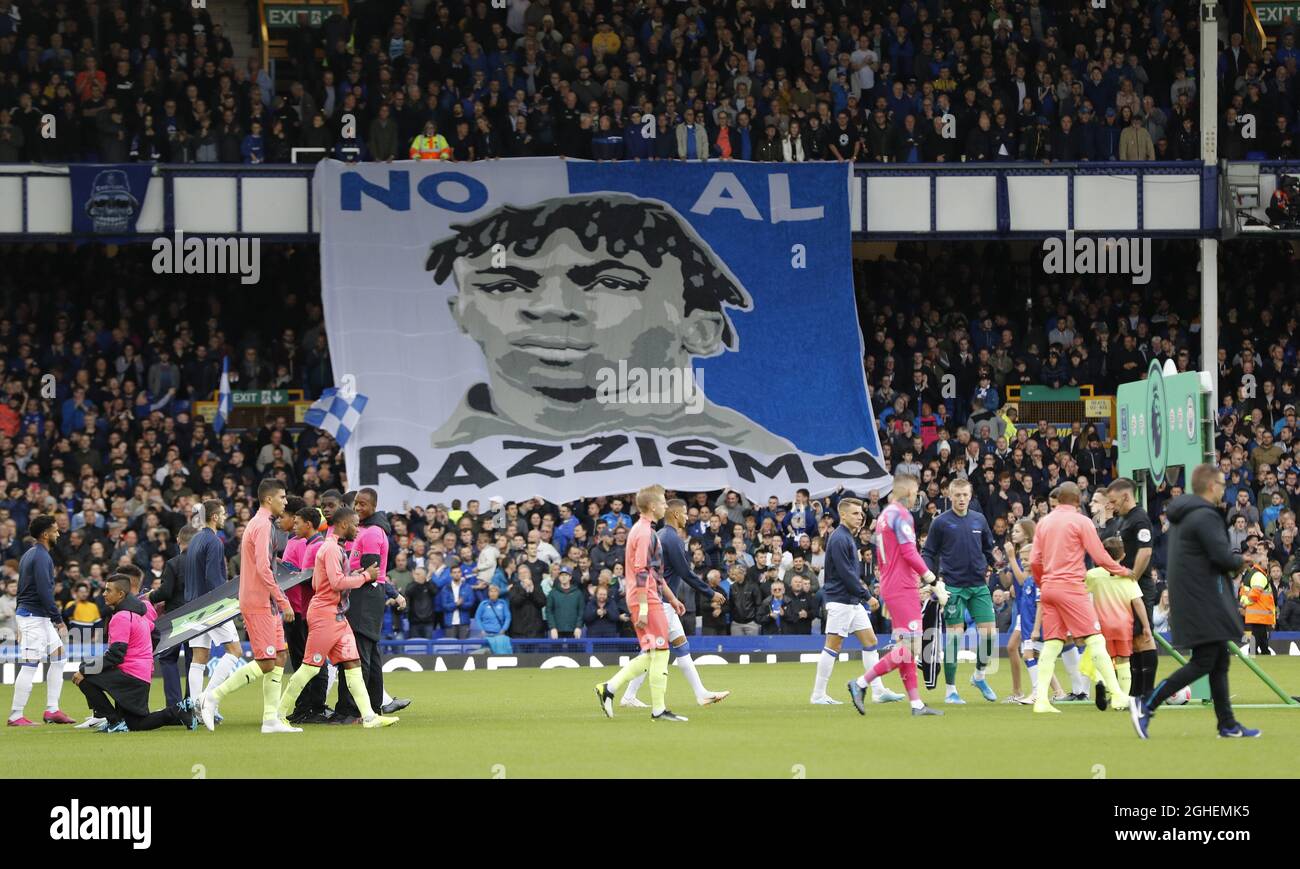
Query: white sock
point(918, 703)
point(1032, 667)
point(825, 663)
point(633, 687)
point(692, 675)
point(197, 672)
point(1070, 659)
point(53, 685)
point(979, 674)
point(869, 659)
point(228, 664)
point(1084, 684)
point(331, 679)
point(22, 690)
point(388, 698)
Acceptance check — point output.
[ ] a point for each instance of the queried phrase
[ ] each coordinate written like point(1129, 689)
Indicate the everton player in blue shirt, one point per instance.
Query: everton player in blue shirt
point(959, 549)
point(41, 625)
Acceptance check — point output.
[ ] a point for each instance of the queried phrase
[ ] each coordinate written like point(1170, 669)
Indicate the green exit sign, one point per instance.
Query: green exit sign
point(284, 16)
point(259, 397)
point(1276, 14)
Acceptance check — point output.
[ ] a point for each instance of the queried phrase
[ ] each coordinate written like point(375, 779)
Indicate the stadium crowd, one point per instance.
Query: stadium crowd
point(99, 428)
point(903, 80)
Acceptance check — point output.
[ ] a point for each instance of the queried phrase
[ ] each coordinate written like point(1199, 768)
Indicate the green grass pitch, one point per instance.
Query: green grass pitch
point(533, 723)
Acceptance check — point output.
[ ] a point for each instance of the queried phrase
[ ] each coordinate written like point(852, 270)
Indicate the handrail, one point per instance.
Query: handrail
point(1255, 38)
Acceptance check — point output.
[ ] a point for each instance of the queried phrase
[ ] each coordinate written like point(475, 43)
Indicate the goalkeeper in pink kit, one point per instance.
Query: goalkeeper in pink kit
point(900, 566)
point(646, 592)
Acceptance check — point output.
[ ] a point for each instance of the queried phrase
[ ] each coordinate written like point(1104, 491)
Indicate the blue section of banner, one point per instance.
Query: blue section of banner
point(798, 370)
point(106, 198)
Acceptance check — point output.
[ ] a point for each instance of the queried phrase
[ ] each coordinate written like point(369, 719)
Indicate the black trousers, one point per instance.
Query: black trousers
point(1209, 660)
point(932, 643)
point(372, 671)
point(132, 701)
point(1260, 633)
point(170, 664)
point(312, 698)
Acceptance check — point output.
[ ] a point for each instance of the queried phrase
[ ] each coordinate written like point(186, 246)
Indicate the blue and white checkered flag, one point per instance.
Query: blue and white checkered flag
point(335, 414)
point(223, 397)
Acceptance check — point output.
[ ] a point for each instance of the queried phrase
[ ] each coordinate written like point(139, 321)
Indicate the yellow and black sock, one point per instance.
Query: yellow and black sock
point(658, 680)
point(271, 693)
point(297, 683)
point(360, 696)
point(630, 671)
point(1046, 667)
point(1124, 672)
point(1096, 648)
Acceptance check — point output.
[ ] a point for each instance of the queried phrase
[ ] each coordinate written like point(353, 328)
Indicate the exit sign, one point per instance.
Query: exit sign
point(1276, 14)
point(282, 16)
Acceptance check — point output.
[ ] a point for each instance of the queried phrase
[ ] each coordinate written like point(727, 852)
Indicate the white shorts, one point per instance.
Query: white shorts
point(40, 637)
point(218, 636)
point(675, 629)
point(1034, 646)
point(846, 618)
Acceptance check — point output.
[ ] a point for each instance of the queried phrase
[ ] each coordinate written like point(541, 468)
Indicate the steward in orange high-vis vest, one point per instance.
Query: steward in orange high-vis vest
point(430, 145)
point(1258, 608)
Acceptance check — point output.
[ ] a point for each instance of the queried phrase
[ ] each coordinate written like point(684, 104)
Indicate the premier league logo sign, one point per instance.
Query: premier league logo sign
point(111, 207)
point(1156, 412)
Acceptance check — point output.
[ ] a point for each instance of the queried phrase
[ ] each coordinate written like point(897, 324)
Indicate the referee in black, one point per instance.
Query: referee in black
point(1136, 531)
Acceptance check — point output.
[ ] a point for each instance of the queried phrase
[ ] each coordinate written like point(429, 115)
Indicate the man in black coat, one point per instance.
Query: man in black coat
point(168, 598)
point(802, 608)
point(421, 605)
point(744, 601)
point(1202, 611)
point(526, 605)
point(1067, 142)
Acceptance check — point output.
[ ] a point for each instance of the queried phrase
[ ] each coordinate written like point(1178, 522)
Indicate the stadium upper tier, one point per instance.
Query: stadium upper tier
point(887, 201)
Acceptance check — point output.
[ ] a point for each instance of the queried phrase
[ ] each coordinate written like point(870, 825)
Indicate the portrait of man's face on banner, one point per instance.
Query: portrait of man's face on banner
point(563, 295)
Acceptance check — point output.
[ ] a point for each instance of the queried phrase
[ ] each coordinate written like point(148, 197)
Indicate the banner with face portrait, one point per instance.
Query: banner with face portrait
point(563, 329)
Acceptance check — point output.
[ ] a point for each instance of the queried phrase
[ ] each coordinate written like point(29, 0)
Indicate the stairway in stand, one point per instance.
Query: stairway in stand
point(232, 15)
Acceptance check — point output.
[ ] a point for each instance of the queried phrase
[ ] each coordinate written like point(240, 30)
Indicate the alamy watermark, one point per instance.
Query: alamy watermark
point(99, 823)
point(214, 255)
point(626, 384)
point(1086, 255)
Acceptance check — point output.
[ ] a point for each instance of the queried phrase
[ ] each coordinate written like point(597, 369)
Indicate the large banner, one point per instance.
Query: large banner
point(542, 327)
point(106, 199)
